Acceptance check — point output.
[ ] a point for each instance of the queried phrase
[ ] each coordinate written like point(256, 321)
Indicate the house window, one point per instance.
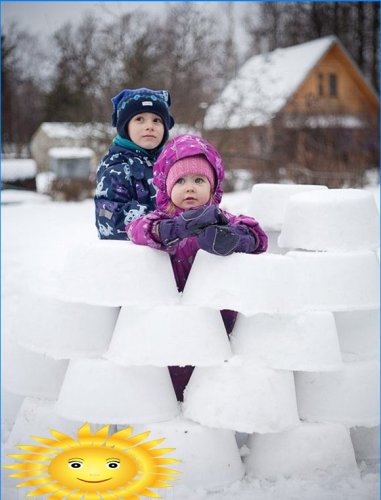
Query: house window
point(332, 85)
point(320, 85)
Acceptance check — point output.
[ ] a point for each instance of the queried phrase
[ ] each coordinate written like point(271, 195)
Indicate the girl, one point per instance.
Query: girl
point(188, 175)
point(124, 177)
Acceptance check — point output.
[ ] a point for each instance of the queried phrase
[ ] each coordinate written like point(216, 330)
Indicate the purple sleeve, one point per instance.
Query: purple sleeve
point(144, 231)
point(254, 227)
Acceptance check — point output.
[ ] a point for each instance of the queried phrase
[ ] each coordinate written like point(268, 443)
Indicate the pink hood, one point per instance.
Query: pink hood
point(180, 147)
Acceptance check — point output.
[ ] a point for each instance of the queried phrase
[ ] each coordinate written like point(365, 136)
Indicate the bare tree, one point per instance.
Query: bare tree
point(22, 89)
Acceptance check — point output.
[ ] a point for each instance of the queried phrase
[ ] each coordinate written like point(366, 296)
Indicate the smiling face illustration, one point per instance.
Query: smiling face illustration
point(92, 468)
point(96, 466)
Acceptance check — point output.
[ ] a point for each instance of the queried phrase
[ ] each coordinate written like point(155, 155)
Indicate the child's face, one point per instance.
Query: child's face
point(146, 130)
point(191, 191)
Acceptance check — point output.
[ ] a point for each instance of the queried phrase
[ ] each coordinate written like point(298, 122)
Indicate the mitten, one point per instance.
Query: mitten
point(224, 240)
point(189, 223)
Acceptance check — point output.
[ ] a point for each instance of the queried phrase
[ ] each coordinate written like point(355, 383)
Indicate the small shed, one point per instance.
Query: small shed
point(75, 162)
point(96, 136)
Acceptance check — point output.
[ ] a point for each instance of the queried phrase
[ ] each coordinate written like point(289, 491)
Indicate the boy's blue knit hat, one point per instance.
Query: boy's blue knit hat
point(129, 103)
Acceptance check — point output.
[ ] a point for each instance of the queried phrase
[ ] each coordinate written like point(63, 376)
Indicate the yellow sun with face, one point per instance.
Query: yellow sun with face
point(95, 466)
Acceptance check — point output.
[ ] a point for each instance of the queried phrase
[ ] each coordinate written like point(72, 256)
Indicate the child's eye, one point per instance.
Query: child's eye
point(139, 118)
point(180, 180)
point(199, 180)
point(158, 120)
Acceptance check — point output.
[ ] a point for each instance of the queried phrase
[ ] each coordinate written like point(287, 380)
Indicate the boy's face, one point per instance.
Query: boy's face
point(146, 130)
point(191, 191)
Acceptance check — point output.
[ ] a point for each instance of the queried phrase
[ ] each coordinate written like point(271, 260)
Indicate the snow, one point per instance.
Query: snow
point(68, 152)
point(138, 341)
point(263, 85)
point(37, 239)
point(289, 342)
point(63, 330)
point(321, 448)
point(243, 397)
point(69, 130)
point(15, 169)
point(337, 281)
point(324, 396)
point(81, 283)
point(139, 394)
point(268, 202)
point(331, 219)
point(353, 346)
point(240, 282)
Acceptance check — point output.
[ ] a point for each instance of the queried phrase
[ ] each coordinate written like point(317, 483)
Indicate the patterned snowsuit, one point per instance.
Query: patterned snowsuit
point(182, 254)
point(124, 188)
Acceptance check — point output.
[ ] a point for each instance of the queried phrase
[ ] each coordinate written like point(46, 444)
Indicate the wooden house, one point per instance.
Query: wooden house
point(304, 113)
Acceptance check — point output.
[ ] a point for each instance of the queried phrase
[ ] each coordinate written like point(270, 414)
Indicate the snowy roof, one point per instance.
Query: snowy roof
point(61, 130)
point(70, 152)
point(264, 84)
point(14, 169)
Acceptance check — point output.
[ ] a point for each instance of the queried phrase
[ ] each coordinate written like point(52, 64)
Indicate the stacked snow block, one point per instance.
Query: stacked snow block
point(300, 371)
point(288, 329)
point(336, 236)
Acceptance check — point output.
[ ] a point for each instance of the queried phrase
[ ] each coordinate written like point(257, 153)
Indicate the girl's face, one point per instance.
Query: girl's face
point(146, 130)
point(191, 191)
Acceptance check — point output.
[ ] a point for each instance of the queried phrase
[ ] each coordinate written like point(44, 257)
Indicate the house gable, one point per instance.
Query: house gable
point(335, 86)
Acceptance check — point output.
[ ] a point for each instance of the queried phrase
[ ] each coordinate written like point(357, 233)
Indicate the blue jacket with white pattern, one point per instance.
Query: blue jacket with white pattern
point(124, 189)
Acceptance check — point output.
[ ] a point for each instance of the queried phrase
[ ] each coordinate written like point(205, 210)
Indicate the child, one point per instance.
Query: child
point(124, 177)
point(189, 174)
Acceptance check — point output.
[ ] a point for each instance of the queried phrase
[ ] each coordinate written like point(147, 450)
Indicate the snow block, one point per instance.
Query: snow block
point(331, 219)
point(337, 281)
point(210, 458)
point(350, 396)
point(99, 391)
point(35, 417)
point(273, 247)
point(63, 329)
point(117, 273)
point(307, 451)
point(305, 342)
point(32, 374)
point(246, 283)
point(10, 406)
point(366, 443)
point(242, 397)
point(359, 334)
point(267, 203)
point(166, 336)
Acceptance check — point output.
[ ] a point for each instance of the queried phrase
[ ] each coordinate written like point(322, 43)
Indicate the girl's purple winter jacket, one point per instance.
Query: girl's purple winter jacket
point(182, 254)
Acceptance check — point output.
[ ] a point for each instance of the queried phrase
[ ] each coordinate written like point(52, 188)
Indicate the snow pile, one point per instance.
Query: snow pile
point(70, 153)
point(15, 169)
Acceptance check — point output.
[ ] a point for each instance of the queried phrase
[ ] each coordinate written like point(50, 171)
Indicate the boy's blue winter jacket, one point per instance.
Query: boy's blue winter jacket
point(124, 188)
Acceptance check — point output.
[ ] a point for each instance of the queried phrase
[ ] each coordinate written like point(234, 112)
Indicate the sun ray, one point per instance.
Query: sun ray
point(38, 481)
point(95, 466)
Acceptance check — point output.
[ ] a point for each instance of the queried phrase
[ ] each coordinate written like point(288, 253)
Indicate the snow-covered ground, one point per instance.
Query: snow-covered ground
point(37, 235)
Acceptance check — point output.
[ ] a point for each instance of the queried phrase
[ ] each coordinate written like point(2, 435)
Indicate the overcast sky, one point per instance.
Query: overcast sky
point(47, 17)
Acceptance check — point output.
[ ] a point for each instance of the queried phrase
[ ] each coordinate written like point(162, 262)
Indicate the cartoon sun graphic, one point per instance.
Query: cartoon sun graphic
point(96, 466)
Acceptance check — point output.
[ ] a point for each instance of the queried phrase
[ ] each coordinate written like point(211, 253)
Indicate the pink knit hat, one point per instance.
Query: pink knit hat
point(190, 165)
